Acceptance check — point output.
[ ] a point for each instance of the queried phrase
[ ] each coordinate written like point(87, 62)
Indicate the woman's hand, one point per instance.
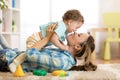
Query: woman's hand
point(50, 30)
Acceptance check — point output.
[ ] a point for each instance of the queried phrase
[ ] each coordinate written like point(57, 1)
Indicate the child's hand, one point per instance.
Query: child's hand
point(66, 48)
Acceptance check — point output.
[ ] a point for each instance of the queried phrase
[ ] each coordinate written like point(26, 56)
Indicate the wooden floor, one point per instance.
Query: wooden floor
point(115, 58)
point(101, 61)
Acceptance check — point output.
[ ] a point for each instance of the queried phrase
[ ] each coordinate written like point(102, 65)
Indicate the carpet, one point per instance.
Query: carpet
point(103, 72)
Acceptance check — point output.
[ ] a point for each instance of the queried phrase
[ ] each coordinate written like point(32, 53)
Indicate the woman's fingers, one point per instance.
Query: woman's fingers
point(52, 26)
point(50, 30)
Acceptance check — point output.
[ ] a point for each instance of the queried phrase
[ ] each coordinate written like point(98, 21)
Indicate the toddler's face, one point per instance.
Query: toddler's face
point(73, 26)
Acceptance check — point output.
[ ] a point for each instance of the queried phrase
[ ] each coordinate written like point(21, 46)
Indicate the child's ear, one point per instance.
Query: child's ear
point(69, 22)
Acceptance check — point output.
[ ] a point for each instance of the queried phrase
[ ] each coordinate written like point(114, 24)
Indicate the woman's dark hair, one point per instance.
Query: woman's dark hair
point(90, 43)
point(73, 14)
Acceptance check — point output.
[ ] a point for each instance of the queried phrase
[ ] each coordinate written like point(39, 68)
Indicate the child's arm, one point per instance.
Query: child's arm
point(55, 40)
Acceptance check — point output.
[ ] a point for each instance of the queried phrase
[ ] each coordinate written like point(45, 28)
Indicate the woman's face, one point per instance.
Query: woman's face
point(75, 38)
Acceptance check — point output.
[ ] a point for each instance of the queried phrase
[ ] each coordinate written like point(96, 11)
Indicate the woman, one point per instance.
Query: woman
point(8, 55)
point(80, 45)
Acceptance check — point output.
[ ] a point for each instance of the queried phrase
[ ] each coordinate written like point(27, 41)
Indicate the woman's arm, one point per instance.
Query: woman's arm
point(41, 43)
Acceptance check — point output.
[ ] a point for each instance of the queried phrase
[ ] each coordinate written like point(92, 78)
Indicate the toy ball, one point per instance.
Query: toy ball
point(40, 72)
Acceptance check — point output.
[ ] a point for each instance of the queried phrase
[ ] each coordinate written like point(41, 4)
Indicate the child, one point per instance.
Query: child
point(72, 20)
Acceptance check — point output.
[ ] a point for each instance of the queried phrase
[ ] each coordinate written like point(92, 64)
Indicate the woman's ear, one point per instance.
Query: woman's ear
point(78, 47)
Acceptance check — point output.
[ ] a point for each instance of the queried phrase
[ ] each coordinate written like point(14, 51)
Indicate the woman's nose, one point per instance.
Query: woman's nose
point(75, 33)
point(74, 30)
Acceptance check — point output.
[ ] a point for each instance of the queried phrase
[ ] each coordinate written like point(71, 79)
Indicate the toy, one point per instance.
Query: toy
point(19, 72)
point(60, 73)
point(40, 72)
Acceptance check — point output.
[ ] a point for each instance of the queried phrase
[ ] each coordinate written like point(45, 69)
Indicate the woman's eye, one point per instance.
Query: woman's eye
point(79, 34)
point(73, 32)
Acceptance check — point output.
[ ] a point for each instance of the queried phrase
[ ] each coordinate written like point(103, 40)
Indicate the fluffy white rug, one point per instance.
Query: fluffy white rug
point(103, 72)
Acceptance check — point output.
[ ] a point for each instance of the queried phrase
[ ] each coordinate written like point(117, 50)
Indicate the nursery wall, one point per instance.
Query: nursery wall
point(37, 12)
point(107, 6)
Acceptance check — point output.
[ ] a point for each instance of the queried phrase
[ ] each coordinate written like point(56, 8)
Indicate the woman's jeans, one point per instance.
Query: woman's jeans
point(3, 49)
point(3, 43)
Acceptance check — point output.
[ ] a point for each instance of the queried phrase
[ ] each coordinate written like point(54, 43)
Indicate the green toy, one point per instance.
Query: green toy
point(40, 72)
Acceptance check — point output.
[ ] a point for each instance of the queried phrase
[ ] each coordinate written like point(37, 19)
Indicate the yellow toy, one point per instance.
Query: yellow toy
point(59, 73)
point(19, 72)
